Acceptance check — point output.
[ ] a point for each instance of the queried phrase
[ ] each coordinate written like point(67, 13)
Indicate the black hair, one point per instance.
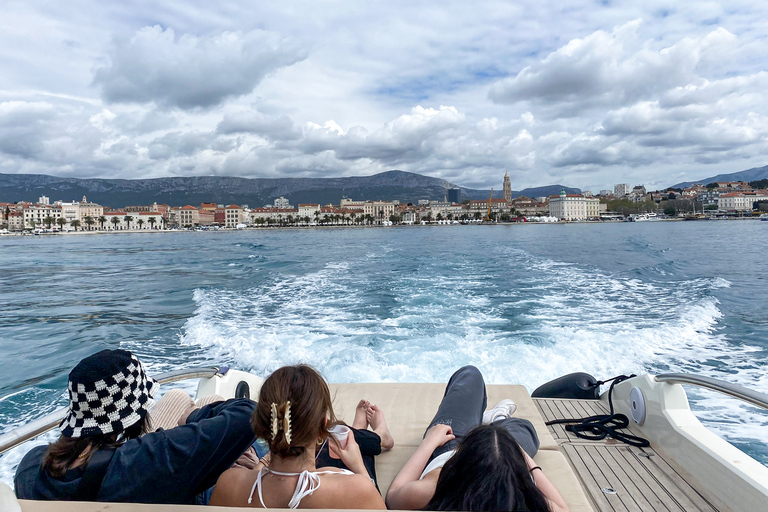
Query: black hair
point(487, 473)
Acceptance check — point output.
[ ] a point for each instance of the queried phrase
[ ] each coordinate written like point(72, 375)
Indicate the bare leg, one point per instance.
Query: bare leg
point(379, 425)
point(361, 419)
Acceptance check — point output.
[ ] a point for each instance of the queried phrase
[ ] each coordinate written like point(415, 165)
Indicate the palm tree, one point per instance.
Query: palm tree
point(353, 216)
point(61, 221)
point(140, 222)
point(102, 220)
point(317, 215)
point(115, 221)
point(33, 223)
point(128, 220)
point(152, 221)
point(290, 219)
point(48, 221)
point(75, 224)
point(89, 221)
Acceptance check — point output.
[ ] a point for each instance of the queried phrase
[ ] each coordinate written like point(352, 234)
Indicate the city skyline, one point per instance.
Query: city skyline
point(587, 94)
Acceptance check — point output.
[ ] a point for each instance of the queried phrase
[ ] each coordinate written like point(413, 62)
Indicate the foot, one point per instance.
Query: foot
point(503, 409)
point(379, 425)
point(361, 418)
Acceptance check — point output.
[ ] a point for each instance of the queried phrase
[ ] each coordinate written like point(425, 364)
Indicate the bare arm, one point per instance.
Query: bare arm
point(550, 492)
point(407, 492)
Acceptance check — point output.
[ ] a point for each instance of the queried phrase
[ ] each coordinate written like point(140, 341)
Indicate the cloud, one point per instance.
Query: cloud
point(272, 127)
point(608, 69)
point(188, 71)
point(24, 127)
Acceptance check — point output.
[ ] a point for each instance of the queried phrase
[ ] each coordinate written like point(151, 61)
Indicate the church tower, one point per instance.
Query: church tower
point(507, 188)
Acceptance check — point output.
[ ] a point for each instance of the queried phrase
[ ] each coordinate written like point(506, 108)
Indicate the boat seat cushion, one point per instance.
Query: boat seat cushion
point(554, 465)
point(408, 408)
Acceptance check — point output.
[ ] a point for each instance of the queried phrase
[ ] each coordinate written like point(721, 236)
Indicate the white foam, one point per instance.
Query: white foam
point(424, 326)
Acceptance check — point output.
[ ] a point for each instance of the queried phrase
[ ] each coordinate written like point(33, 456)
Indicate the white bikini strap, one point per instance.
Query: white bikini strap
point(308, 483)
point(257, 483)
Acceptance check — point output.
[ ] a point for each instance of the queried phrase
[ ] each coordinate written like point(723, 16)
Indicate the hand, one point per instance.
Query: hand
point(438, 435)
point(247, 460)
point(350, 455)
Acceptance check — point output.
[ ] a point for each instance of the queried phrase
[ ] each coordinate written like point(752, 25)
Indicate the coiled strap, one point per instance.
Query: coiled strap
point(595, 428)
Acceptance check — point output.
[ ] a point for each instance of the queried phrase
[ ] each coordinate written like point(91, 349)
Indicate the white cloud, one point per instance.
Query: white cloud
point(190, 71)
point(584, 96)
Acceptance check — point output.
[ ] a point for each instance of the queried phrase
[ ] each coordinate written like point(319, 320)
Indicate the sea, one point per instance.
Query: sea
point(525, 303)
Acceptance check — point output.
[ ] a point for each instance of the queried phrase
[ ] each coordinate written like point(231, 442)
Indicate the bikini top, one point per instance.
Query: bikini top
point(309, 482)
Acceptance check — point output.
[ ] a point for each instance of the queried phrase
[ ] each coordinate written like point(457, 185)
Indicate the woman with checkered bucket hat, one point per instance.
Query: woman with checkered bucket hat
point(109, 451)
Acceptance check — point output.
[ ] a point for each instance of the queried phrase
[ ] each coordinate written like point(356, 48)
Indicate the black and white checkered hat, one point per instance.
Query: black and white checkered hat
point(108, 392)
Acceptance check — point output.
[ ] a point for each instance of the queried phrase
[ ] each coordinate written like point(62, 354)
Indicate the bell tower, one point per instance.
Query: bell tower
point(507, 188)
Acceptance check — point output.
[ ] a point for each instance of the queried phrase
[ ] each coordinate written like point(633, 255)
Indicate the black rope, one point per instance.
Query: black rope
point(595, 428)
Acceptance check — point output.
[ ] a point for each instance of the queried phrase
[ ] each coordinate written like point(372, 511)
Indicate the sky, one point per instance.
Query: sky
point(584, 93)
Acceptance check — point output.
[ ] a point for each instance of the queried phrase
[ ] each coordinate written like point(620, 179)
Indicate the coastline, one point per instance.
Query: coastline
point(264, 228)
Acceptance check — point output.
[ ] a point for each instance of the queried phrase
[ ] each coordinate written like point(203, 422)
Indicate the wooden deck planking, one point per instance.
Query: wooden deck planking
point(682, 490)
point(641, 483)
point(552, 409)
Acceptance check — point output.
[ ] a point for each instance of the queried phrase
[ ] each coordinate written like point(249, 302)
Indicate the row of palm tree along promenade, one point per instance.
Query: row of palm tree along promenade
point(721, 198)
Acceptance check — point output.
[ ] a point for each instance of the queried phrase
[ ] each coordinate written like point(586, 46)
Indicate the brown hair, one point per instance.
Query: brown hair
point(310, 399)
point(63, 452)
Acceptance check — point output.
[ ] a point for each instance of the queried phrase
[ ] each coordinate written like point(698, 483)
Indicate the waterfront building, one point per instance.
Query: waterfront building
point(309, 210)
point(621, 190)
point(708, 196)
point(282, 203)
point(88, 209)
point(527, 207)
point(35, 214)
point(116, 221)
point(219, 216)
point(150, 221)
point(70, 211)
point(350, 203)
point(208, 207)
point(481, 206)
point(379, 210)
point(234, 215)
point(162, 209)
point(507, 188)
point(569, 206)
point(740, 201)
point(454, 195)
point(594, 207)
point(188, 216)
point(273, 215)
point(15, 220)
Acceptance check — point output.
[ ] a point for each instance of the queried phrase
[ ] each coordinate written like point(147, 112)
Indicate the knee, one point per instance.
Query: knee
point(468, 371)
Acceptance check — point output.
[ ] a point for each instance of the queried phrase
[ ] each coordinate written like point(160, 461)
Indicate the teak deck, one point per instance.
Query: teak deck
point(618, 477)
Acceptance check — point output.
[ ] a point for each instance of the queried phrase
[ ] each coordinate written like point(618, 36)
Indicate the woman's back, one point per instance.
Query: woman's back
point(337, 489)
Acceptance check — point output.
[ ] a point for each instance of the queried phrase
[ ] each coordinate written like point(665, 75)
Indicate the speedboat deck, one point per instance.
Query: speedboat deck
point(616, 476)
point(686, 468)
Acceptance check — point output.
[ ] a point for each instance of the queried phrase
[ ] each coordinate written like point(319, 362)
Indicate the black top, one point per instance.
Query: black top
point(167, 466)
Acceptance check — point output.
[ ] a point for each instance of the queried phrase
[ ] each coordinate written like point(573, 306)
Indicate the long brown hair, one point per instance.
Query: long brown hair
point(310, 405)
point(63, 452)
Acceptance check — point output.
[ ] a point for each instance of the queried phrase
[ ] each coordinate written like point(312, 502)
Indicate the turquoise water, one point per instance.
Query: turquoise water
point(524, 303)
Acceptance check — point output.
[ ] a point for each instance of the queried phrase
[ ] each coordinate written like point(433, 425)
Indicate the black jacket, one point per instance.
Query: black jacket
point(167, 466)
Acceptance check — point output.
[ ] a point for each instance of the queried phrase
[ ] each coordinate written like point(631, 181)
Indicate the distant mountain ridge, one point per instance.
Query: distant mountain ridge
point(255, 192)
point(754, 174)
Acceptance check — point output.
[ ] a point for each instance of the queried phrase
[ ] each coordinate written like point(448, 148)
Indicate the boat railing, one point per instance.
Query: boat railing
point(41, 425)
point(734, 390)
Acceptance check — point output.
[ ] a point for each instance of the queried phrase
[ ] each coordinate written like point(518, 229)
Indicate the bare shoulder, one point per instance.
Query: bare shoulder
point(347, 491)
point(233, 486)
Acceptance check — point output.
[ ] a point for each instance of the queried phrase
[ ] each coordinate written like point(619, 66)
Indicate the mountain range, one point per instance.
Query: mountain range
point(754, 174)
point(406, 187)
